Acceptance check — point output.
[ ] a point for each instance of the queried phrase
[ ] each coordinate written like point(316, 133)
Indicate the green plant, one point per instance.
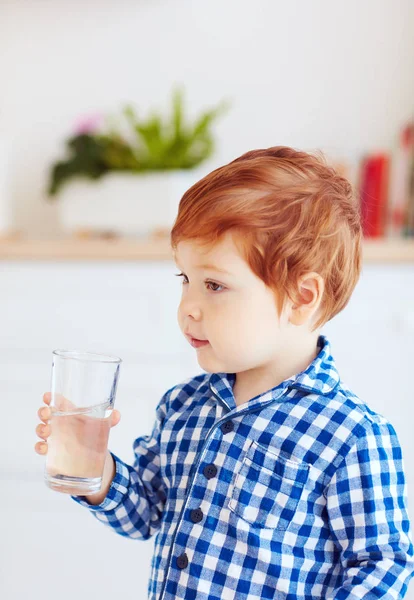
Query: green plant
point(134, 145)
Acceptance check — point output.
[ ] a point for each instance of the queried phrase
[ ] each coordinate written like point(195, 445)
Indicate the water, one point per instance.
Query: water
point(77, 449)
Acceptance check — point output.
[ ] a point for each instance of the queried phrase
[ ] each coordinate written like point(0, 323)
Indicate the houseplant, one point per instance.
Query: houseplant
point(126, 175)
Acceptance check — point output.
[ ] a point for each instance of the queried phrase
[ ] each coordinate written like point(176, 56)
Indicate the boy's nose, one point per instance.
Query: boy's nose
point(190, 309)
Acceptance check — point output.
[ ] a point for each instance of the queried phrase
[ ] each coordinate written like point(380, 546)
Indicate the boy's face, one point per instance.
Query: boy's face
point(233, 312)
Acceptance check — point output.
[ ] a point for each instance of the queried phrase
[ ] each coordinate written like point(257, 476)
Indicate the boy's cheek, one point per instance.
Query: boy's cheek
point(180, 319)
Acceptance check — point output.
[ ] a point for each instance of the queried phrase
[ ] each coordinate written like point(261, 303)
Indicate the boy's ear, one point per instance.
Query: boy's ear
point(310, 290)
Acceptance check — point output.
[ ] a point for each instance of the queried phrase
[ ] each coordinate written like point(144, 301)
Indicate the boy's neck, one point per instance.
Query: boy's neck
point(254, 382)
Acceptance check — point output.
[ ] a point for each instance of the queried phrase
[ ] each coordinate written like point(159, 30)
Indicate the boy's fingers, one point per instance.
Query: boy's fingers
point(41, 447)
point(47, 397)
point(43, 431)
point(44, 413)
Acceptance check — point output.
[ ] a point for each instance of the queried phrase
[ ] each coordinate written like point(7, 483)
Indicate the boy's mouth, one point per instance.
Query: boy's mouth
point(196, 343)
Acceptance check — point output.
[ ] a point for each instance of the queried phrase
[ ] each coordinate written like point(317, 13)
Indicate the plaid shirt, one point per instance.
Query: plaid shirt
point(297, 494)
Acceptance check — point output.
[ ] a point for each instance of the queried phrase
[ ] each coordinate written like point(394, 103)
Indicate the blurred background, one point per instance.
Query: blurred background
point(108, 113)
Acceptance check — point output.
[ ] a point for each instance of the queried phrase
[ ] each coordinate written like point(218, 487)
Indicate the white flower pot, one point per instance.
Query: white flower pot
point(125, 203)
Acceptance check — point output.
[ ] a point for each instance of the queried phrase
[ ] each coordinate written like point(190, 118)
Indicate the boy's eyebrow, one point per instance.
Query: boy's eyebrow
point(214, 268)
point(209, 267)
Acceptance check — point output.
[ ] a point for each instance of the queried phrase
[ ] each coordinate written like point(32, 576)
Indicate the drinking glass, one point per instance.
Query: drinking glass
point(83, 390)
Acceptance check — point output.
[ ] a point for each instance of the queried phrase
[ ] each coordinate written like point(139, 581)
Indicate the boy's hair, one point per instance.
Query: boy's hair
point(290, 213)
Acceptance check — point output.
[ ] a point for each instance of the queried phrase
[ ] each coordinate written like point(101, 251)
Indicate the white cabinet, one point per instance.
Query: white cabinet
point(129, 309)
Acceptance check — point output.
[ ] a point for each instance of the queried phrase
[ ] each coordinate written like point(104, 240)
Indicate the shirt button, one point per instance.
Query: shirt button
point(182, 561)
point(210, 471)
point(227, 427)
point(196, 515)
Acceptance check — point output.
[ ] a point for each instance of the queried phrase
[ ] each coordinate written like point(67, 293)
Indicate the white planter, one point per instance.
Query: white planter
point(125, 203)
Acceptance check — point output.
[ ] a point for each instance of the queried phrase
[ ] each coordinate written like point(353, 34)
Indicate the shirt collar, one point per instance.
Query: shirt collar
point(320, 377)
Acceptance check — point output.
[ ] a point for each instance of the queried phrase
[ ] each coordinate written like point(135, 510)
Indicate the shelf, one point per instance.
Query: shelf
point(156, 249)
point(85, 249)
point(389, 251)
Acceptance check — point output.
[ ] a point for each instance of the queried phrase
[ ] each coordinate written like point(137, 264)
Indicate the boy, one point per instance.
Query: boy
point(265, 477)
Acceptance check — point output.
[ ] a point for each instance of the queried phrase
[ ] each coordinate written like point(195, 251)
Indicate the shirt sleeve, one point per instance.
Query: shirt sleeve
point(367, 511)
point(135, 501)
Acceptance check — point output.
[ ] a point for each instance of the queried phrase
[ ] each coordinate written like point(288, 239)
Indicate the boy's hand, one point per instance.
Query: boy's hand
point(43, 430)
point(75, 443)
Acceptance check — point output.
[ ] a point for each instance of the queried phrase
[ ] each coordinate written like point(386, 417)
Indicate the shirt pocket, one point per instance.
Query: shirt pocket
point(267, 488)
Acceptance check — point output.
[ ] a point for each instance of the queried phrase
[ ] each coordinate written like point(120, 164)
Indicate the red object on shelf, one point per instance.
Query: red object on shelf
point(401, 200)
point(374, 179)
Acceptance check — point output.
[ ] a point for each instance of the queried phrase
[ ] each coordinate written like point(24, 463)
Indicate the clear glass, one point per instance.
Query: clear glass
point(83, 390)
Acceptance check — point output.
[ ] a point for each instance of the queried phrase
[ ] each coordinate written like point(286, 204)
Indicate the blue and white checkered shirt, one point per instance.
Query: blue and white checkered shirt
point(297, 494)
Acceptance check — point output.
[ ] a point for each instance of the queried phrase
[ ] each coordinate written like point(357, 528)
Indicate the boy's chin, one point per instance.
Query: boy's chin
point(212, 366)
point(206, 367)
point(208, 364)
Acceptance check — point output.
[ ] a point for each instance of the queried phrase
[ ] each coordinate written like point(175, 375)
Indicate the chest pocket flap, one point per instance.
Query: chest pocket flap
point(267, 488)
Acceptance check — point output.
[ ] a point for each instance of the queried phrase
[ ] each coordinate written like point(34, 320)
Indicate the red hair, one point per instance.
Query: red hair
point(290, 212)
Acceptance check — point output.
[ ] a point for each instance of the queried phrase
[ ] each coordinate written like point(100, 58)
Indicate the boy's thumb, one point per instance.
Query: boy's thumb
point(115, 417)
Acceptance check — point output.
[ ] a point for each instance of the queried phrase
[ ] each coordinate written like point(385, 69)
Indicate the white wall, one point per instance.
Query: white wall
point(54, 549)
point(332, 75)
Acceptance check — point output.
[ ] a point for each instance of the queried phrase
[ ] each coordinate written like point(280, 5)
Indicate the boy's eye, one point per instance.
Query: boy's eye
point(185, 279)
point(214, 287)
point(211, 285)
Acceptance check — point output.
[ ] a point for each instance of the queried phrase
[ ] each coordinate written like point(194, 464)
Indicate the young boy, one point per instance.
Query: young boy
point(265, 476)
